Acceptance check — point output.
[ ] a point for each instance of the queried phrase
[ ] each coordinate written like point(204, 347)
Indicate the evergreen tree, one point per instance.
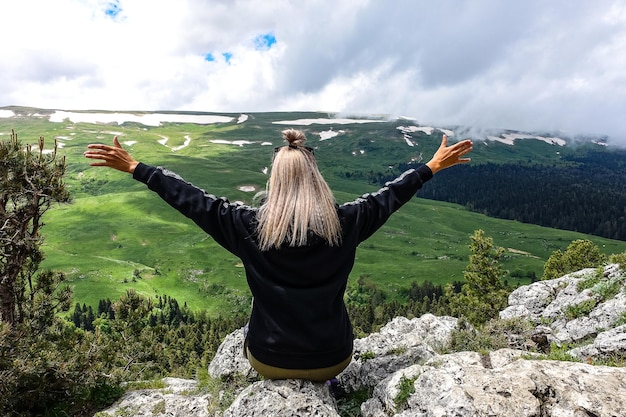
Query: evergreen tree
point(483, 294)
point(30, 181)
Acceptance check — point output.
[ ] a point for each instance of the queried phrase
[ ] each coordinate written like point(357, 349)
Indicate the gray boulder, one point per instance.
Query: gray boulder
point(604, 316)
point(399, 344)
point(229, 359)
point(561, 309)
point(285, 398)
point(545, 299)
point(606, 345)
point(460, 385)
point(176, 399)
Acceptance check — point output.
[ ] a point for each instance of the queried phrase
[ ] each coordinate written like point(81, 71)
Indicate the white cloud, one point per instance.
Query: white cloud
point(525, 65)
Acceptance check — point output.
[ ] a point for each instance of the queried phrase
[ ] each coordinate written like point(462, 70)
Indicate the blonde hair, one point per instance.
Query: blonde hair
point(298, 201)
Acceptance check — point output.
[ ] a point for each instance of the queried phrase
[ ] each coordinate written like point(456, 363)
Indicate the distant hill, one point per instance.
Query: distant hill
point(116, 235)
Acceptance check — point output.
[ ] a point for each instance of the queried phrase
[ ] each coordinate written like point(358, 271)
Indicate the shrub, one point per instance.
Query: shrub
point(579, 254)
point(406, 387)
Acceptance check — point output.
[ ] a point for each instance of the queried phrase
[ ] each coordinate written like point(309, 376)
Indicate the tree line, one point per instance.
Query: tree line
point(585, 193)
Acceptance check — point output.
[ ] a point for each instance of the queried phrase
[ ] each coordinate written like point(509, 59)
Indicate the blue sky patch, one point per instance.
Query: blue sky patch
point(113, 8)
point(210, 57)
point(264, 41)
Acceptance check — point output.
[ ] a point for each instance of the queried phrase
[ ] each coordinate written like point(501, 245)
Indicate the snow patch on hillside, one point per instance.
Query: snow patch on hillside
point(328, 134)
point(407, 130)
point(506, 138)
point(164, 139)
point(510, 138)
point(308, 122)
point(231, 142)
point(247, 188)
point(424, 129)
point(149, 119)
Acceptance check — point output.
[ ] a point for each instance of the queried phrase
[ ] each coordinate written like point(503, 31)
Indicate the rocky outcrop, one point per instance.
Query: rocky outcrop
point(588, 305)
point(462, 385)
point(177, 399)
point(399, 344)
point(400, 365)
point(229, 360)
point(285, 398)
point(606, 344)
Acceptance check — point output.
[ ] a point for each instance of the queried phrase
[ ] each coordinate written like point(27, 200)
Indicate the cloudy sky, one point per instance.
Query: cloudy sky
point(529, 65)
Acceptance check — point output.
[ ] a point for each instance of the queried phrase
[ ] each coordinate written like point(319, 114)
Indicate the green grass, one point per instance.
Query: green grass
point(406, 387)
point(115, 229)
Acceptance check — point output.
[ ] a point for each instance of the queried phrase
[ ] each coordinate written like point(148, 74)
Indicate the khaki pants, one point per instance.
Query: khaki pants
point(316, 375)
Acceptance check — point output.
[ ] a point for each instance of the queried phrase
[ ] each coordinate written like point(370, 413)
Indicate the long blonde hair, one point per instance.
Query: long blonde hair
point(298, 201)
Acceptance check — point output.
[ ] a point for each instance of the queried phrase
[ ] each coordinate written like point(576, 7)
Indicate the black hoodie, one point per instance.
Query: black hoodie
point(298, 319)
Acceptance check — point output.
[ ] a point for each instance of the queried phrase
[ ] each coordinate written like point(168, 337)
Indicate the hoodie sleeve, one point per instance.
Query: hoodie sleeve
point(371, 211)
point(215, 215)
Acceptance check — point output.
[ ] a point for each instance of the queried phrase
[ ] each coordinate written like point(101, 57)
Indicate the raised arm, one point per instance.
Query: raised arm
point(114, 156)
point(447, 156)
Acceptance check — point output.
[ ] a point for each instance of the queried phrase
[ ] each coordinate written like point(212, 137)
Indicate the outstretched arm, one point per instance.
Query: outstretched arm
point(114, 156)
point(447, 156)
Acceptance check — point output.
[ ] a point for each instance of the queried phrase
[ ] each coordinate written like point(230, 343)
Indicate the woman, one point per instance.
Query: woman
point(298, 249)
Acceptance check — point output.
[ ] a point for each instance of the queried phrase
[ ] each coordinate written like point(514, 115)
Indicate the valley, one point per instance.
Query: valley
point(116, 235)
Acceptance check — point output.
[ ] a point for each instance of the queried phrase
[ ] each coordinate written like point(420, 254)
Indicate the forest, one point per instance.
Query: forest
point(585, 193)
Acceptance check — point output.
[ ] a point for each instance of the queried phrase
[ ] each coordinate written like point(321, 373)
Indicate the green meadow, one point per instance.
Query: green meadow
point(116, 234)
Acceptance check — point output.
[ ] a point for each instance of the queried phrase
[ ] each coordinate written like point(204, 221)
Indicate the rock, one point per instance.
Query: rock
point(568, 295)
point(382, 403)
point(603, 316)
point(559, 305)
point(175, 400)
point(459, 385)
point(502, 357)
point(541, 336)
point(229, 359)
point(399, 344)
point(284, 398)
point(606, 344)
point(543, 299)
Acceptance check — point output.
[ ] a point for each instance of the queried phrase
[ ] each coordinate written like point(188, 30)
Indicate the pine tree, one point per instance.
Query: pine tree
point(30, 181)
point(483, 294)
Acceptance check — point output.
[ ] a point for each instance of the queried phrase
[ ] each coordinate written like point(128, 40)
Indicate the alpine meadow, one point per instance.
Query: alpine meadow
point(533, 193)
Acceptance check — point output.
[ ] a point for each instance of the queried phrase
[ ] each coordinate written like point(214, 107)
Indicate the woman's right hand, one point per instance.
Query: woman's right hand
point(447, 156)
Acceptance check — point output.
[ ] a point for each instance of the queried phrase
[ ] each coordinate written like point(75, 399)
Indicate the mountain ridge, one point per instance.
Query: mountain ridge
point(503, 135)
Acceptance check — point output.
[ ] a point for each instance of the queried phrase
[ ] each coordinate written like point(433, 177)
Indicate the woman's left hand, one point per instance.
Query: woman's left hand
point(114, 156)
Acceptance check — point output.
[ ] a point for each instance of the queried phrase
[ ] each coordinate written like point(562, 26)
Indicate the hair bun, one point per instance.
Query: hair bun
point(294, 137)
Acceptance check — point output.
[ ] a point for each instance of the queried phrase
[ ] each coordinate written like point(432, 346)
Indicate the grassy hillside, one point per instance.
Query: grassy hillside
point(117, 235)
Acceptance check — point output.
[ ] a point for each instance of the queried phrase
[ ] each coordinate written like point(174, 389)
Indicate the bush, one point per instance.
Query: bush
point(61, 370)
point(493, 335)
point(619, 259)
point(579, 254)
